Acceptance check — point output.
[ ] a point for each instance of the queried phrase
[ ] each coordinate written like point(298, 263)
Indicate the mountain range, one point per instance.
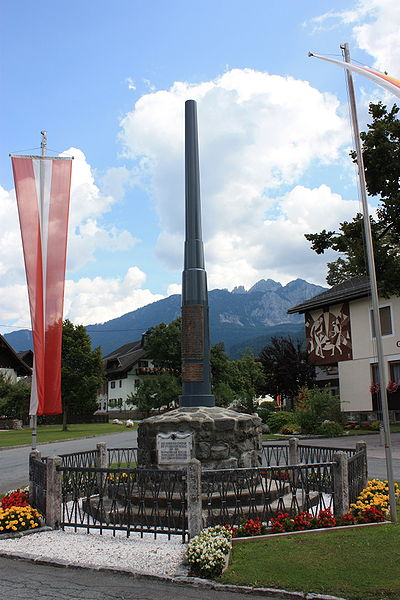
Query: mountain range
point(242, 319)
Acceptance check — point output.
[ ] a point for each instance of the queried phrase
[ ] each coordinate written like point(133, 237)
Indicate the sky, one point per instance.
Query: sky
point(108, 80)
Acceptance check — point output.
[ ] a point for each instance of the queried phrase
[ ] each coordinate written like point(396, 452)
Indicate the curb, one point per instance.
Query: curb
point(267, 536)
point(177, 579)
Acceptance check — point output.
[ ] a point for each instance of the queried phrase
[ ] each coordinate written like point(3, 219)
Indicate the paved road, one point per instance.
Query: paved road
point(375, 451)
point(14, 462)
point(21, 580)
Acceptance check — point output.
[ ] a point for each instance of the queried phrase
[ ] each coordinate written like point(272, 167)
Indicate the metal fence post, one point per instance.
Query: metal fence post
point(340, 484)
point(293, 451)
point(33, 455)
point(362, 447)
point(194, 505)
point(54, 493)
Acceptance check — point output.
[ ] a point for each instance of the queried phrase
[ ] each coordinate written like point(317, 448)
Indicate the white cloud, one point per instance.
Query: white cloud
point(375, 28)
point(257, 132)
point(87, 231)
point(174, 288)
point(99, 299)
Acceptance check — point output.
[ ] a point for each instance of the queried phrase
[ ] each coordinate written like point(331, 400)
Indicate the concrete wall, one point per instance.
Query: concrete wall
point(355, 375)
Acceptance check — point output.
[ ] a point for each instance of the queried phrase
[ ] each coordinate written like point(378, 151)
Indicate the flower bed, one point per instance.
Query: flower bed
point(371, 506)
point(208, 552)
point(16, 514)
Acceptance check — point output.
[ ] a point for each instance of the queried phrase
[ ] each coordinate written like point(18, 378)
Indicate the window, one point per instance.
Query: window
point(395, 371)
point(143, 363)
point(112, 385)
point(120, 383)
point(137, 382)
point(385, 314)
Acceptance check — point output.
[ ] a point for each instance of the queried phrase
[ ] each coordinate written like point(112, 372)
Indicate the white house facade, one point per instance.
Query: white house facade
point(124, 369)
point(341, 343)
point(11, 365)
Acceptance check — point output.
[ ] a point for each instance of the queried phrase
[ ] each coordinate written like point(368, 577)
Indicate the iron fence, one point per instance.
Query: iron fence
point(38, 483)
point(233, 495)
point(309, 454)
point(87, 458)
point(122, 457)
point(102, 490)
point(275, 454)
point(130, 500)
point(357, 475)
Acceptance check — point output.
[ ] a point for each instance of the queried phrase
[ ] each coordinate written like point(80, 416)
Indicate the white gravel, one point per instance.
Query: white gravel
point(145, 555)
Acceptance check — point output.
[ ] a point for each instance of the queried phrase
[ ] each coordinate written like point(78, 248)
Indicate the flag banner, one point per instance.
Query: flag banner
point(42, 186)
point(390, 83)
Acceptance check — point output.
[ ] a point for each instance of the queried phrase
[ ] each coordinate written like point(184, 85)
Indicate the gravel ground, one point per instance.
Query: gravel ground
point(158, 556)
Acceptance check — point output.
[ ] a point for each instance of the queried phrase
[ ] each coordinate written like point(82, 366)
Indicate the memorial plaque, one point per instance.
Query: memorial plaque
point(193, 372)
point(192, 332)
point(174, 448)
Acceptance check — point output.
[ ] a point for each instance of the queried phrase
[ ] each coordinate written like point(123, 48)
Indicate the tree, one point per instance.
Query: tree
point(381, 154)
point(14, 398)
point(163, 345)
point(81, 372)
point(286, 368)
point(156, 391)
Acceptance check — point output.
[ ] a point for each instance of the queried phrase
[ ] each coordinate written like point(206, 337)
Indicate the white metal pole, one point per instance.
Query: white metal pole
point(43, 146)
point(374, 288)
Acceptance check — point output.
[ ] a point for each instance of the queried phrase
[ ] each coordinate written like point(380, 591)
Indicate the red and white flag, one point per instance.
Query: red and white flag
point(42, 186)
point(382, 79)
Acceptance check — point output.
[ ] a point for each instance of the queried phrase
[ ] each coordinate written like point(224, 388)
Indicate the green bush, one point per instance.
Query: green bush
point(264, 414)
point(331, 429)
point(277, 420)
point(314, 406)
point(375, 425)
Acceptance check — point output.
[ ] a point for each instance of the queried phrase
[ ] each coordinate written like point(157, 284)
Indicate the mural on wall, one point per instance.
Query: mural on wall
point(328, 334)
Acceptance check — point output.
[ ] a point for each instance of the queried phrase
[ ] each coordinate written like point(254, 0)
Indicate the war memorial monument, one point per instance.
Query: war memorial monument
point(217, 437)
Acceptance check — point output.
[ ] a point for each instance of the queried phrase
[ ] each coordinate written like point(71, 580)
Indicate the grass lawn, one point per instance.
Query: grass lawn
point(53, 433)
point(357, 564)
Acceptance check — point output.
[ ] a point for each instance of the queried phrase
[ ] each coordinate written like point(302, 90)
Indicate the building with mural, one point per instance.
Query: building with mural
point(341, 344)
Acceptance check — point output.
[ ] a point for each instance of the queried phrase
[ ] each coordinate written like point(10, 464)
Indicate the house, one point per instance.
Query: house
point(341, 344)
point(11, 365)
point(124, 368)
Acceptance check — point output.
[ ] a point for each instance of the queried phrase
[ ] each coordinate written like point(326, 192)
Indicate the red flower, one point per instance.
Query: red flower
point(233, 529)
point(16, 498)
point(374, 388)
point(347, 519)
point(371, 514)
point(392, 387)
point(303, 521)
point(326, 518)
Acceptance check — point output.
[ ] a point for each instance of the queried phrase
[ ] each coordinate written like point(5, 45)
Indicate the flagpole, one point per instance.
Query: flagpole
point(43, 146)
point(374, 287)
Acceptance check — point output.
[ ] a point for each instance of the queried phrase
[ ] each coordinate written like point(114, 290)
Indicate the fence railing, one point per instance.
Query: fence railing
point(140, 500)
point(261, 492)
point(37, 482)
point(101, 489)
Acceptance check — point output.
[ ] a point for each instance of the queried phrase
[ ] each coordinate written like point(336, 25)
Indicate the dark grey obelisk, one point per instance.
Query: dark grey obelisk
point(196, 379)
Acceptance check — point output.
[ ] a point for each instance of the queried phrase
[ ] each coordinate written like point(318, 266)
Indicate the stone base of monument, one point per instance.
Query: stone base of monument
point(219, 438)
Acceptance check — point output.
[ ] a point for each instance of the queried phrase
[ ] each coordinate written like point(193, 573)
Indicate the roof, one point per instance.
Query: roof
point(121, 360)
point(352, 289)
point(27, 357)
point(9, 359)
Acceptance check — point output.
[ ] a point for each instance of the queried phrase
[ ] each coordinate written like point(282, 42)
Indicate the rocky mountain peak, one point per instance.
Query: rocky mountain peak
point(265, 285)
